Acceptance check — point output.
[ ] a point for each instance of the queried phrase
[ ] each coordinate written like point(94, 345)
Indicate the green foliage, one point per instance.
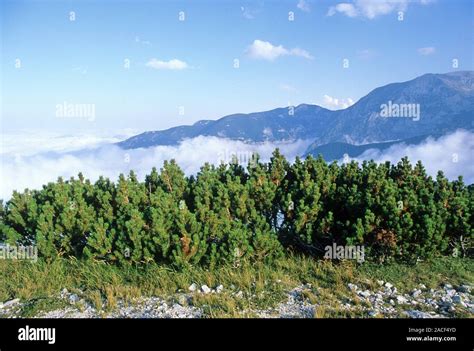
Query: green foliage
point(230, 213)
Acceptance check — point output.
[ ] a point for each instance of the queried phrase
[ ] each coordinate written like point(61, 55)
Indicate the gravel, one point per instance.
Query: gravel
point(381, 302)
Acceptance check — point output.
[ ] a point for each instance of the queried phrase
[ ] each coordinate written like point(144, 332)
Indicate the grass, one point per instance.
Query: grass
point(262, 285)
point(39, 304)
point(434, 272)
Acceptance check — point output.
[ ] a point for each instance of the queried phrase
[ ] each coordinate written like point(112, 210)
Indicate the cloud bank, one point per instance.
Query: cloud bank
point(31, 166)
point(453, 154)
point(24, 168)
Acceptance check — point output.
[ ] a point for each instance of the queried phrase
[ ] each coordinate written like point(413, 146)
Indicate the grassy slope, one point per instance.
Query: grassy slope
point(263, 285)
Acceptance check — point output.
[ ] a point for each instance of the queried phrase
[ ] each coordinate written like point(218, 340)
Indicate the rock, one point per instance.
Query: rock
point(417, 314)
point(447, 286)
point(353, 287)
point(446, 304)
point(183, 300)
point(388, 285)
point(205, 289)
point(11, 303)
point(446, 299)
point(380, 282)
point(73, 298)
point(457, 299)
point(365, 293)
point(450, 292)
point(192, 287)
point(416, 293)
point(373, 313)
point(392, 302)
point(401, 299)
point(219, 288)
point(422, 286)
point(240, 294)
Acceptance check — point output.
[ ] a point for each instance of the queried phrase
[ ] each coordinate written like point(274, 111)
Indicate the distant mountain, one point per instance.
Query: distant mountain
point(439, 104)
point(446, 103)
point(301, 122)
point(337, 150)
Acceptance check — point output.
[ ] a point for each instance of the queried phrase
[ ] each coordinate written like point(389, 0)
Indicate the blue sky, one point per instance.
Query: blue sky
point(188, 65)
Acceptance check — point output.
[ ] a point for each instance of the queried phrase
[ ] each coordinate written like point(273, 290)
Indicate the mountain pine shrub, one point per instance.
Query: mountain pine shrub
point(226, 213)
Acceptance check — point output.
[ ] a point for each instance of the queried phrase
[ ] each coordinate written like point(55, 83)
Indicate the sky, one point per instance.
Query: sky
point(151, 65)
point(78, 76)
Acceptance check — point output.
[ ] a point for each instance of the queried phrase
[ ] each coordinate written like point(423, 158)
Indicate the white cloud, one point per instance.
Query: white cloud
point(345, 8)
point(174, 64)
point(430, 50)
point(301, 53)
point(303, 6)
point(372, 8)
point(333, 103)
point(23, 143)
point(24, 168)
point(28, 163)
point(453, 154)
point(265, 50)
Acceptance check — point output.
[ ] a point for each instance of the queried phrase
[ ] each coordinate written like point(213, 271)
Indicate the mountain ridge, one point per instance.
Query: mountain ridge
point(445, 103)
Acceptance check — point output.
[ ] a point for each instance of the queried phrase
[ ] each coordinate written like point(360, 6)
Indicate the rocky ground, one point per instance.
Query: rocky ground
point(304, 301)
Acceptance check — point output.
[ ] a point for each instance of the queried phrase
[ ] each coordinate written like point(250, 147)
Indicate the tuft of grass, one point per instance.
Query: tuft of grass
point(431, 273)
point(40, 305)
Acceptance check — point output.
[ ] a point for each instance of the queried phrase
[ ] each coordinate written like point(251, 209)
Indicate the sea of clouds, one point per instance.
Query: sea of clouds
point(452, 153)
point(31, 159)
